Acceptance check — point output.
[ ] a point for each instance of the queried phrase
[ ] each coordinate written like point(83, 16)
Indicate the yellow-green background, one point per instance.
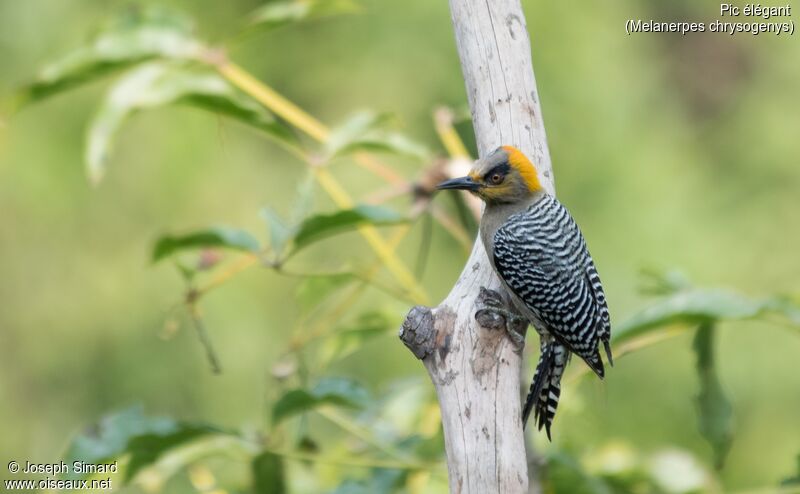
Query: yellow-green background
point(670, 151)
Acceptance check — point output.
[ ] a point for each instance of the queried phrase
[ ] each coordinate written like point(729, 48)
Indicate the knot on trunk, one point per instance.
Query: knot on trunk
point(418, 331)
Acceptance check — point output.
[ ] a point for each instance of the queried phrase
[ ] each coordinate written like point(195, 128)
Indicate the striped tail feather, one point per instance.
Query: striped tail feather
point(607, 346)
point(595, 362)
point(540, 377)
point(546, 386)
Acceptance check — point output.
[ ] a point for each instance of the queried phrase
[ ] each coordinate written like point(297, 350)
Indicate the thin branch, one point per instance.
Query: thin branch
point(456, 230)
point(374, 239)
point(318, 131)
point(367, 276)
point(243, 263)
point(202, 335)
point(443, 121)
point(784, 489)
point(308, 124)
point(354, 462)
point(356, 430)
point(326, 325)
point(274, 101)
point(295, 115)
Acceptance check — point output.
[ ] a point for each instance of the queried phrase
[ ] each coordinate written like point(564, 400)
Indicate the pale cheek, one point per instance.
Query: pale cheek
point(496, 192)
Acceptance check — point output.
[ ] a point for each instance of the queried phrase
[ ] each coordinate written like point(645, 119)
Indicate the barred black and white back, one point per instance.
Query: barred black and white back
point(541, 255)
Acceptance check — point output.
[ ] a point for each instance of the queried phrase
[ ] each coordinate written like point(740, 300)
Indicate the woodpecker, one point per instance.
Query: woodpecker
point(540, 255)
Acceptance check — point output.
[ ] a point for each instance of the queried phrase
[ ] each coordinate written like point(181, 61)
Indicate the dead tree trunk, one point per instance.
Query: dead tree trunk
point(473, 365)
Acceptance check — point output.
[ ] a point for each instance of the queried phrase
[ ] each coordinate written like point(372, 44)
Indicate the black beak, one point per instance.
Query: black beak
point(462, 183)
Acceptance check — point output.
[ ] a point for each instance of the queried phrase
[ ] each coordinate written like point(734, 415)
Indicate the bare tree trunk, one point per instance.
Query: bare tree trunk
point(473, 365)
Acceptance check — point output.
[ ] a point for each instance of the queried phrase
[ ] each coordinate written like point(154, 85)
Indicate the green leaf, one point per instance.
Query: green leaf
point(139, 35)
point(683, 310)
point(268, 474)
point(158, 84)
point(366, 131)
point(329, 391)
point(655, 282)
point(795, 479)
point(304, 202)
point(565, 474)
point(690, 308)
point(131, 432)
point(290, 404)
point(320, 226)
point(350, 338)
point(279, 232)
point(313, 290)
point(109, 438)
point(714, 408)
point(683, 305)
point(187, 273)
point(341, 391)
point(379, 481)
point(784, 306)
point(219, 237)
point(147, 448)
point(428, 449)
point(280, 13)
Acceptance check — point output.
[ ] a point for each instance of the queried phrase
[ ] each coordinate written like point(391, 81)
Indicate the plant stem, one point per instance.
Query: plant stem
point(295, 115)
point(274, 101)
point(443, 120)
point(241, 264)
point(202, 335)
point(308, 124)
point(352, 462)
point(324, 326)
point(356, 430)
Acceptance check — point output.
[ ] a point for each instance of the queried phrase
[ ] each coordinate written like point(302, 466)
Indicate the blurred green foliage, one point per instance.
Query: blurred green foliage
point(315, 395)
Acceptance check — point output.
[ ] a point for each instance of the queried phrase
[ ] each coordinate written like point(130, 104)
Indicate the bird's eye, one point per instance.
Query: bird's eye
point(496, 178)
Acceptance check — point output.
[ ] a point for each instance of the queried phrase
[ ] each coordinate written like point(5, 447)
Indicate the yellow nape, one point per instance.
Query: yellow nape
point(523, 165)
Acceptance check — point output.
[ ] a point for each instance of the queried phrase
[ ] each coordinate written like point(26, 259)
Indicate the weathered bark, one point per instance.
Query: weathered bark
point(473, 365)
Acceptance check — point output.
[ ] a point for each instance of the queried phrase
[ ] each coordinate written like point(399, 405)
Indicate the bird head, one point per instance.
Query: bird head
point(504, 176)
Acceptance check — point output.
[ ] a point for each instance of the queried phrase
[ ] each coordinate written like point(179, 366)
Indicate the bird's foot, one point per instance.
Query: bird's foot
point(495, 315)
